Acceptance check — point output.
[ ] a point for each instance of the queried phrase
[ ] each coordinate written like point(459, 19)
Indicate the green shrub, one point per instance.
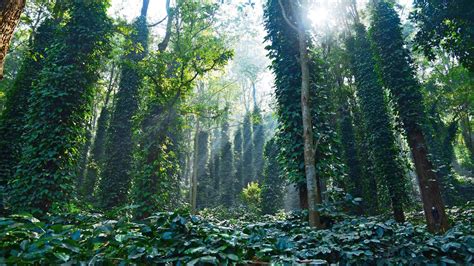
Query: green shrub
point(181, 238)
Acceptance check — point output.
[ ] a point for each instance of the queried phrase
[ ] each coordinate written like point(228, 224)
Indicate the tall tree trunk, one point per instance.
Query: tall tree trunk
point(10, 11)
point(396, 68)
point(116, 179)
point(468, 136)
point(96, 160)
point(194, 185)
point(429, 187)
point(312, 182)
point(144, 10)
point(254, 95)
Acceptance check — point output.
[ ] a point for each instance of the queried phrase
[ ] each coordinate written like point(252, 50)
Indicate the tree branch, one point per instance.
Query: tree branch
point(283, 11)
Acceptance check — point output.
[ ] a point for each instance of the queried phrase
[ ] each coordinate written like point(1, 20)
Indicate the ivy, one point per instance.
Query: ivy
point(273, 185)
point(445, 25)
point(248, 170)
point(226, 169)
point(13, 118)
point(60, 105)
point(116, 177)
point(378, 125)
point(194, 52)
point(180, 238)
point(258, 134)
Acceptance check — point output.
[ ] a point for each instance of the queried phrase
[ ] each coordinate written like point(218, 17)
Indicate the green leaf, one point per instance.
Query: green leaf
point(232, 257)
point(167, 235)
point(62, 256)
point(76, 235)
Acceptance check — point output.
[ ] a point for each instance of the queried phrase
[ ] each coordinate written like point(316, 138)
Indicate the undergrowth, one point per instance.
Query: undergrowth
point(180, 238)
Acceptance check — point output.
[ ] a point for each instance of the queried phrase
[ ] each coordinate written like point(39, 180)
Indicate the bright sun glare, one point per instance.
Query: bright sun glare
point(318, 15)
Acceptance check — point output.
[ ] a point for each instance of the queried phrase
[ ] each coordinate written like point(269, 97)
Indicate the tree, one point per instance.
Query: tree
point(350, 149)
point(226, 169)
point(198, 51)
point(258, 137)
point(312, 180)
point(96, 160)
point(10, 11)
point(14, 117)
point(248, 150)
point(115, 181)
point(238, 160)
point(376, 113)
point(283, 50)
point(202, 182)
point(61, 102)
point(447, 25)
point(283, 16)
point(273, 184)
point(398, 75)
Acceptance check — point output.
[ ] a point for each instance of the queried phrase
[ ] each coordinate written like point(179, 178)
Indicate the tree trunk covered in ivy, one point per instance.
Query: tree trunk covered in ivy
point(156, 168)
point(365, 157)
point(468, 137)
point(13, 118)
point(398, 74)
point(10, 11)
point(273, 184)
point(350, 150)
point(238, 164)
point(375, 110)
point(258, 133)
point(248, 151)
point(313, 181)
point(201, 184)
point(116, 178)
point(440, 137)
point(96, 161)
point(61, 102)
point(214, 161)
point(283, 51)
point(226, 169)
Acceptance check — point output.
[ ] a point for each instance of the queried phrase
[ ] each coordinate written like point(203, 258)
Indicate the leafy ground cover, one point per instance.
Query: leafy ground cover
point(180, 238)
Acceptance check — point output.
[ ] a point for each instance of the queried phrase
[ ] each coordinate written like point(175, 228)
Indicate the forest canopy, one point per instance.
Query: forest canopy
point(241, 132)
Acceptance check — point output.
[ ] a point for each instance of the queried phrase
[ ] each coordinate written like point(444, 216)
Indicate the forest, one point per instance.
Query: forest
point(237, 132)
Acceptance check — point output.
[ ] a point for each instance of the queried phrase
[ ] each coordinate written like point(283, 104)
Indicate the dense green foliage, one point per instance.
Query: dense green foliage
point(180, 238)
point(258, 134)
point(226, 169)
point(283, 50)
point(273, 184)
point(59, 107)
point(115, 179)
point(447, 25)
point(389, 171)
point(13, 118)
point(247, 150)
point(179, 140)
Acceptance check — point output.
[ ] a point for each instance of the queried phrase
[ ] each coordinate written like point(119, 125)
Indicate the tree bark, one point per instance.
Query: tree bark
point(144, 10)
point(10, 11)
point(312, 182)
point(303, 196)
point(433, 205)
point(162, 46)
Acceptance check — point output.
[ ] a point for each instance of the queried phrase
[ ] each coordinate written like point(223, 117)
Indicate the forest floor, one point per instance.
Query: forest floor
point(179, 238)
